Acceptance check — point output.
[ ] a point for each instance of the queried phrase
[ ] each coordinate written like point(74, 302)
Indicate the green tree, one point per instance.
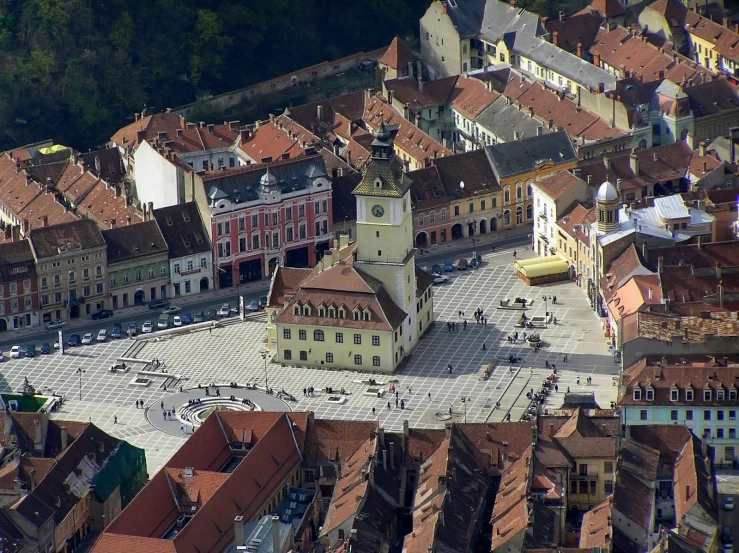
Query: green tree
point(209, 48)
point(37, 68)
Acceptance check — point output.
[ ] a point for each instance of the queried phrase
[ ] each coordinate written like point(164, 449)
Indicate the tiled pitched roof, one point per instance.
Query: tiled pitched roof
point(332, 440)
point(134, 241)
point(557, 184)
point(515, 158)
point(285, 283)
point(350, 106)
point(608, 8)
point(575, 220)
point(691, 484)
point(725, 41)
point(45, 241)
point(270, 142)
point(106, 207)
point(511, 511)
point(633, 499)
point(197, 138)
point(473, 168)
point(183, 229)
point(153, 124)
point(110, 162)
point(397, 55)
point(622, 268)
point(12, 253)
point(580, 437)
point(427, 190)
point(470, 97)
point(406, 91)
point(639, 459)
point(577, 29)
point(712, 97)
point(409, 138)
point(673, 11)
point(596, 529)
point(636, 292)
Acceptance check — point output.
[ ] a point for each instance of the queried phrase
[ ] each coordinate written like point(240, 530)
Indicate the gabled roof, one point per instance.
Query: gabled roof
point(511, 509)
point(638, 291)
point(397, 55)
point(693, 496)
point(516, 158)
point(466, 16)
point(596, 529)
point(633, 499)
point(336, 440)
point(579, 29)
point(183, 229)
point(159, 122)
point(712, 97)
point(470, 97)
point(557, 184)
point(725, 40)
point(268, 142)
point(134, 241)
point(83, 234)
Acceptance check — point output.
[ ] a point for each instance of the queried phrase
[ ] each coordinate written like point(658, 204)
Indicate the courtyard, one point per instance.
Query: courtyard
point(431, 395)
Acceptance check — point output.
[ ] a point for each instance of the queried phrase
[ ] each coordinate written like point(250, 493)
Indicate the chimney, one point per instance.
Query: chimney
point(239, 537)
point(384, 459)
point(276, 547)
point(8, 427)
point(551, 429)
point(245, 135)
point(596, 62)
point(211, 129)
point(690, 140)
point(687, 491)
point(97, 165)
point(645, 250)
point(505, 452)
point(151, 210)
point(561, 16)
point(44, 220)
point(319, 113)
point(539, 131)
point(140, 136)
point(444, 8)
point(702, 148)
point(634, 164)
point(136, 116)
point(448, 430)
point(25, 227)
point(419, 75)
point(718, 270)
point(579, 49)
point(660, 262)
point(390, 96)
point(143, 207)
point(65, 437)
point(32, 478)
point(178, 133)
point(555, 38)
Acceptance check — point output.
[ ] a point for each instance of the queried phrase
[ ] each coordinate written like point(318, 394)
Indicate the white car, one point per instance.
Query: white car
point(171, 310)
point(147, 327)
point(440, 279)
point(727, 548)
point(56, 343)
point(729, 503)
point(53, 325)
point(224, 311)
point(102, 335)
point(176, 320)
point(16, 352)
point(88, 339)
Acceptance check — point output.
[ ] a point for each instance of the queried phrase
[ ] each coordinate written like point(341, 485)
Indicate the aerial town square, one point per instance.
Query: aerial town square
point(452, 276)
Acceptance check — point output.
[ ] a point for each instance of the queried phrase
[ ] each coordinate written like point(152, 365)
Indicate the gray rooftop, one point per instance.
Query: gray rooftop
point(522, 156)
point(503, 119)
point(500, 18)
point(466, 16)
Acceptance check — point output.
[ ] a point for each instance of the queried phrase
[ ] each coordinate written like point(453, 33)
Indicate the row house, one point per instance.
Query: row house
point(699, 395)
point(190, 256)
point(18, 286)
point(263, 216)
point(138, 264)
point(71, 266)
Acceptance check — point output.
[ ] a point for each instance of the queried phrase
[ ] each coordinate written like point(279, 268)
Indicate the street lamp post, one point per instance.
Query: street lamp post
point(546, 310)
point(266, 384)
point(464, 402)
point(80, 371)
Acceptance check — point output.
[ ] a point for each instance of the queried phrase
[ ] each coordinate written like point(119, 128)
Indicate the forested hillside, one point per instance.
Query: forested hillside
point(76, 70)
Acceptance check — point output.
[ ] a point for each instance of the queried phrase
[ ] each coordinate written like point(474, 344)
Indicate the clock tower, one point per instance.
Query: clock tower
point(385, 224)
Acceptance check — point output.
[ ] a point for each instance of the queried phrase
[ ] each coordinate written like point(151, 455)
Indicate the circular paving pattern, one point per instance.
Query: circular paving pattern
point(183, 412)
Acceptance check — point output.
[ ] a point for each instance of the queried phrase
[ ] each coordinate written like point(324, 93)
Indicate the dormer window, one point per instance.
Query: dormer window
point(637, 393)
point(650, 393)
point(732, 394)
point(321, 312)
point(674, 393)
point(367, 315)
point(296, 309)
point(331, 312)
point(306, 310)
point(720, 394)
point(342, 313)
point(689, 394)
point(378, 183)
point(707, 394)
point(357, 315)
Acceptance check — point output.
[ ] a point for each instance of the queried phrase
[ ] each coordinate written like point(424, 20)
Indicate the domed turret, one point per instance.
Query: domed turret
point(607, 193)
point(607, 202)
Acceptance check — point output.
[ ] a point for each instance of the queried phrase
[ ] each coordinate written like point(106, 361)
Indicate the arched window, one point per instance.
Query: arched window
point(519, 192)
point(506, 217)
point(529, 190)
point(642, 144)
point(519, 215)
point(443, 214)
point(432, 217)
point(507, 195)
point(529, 212)
point(318, 335)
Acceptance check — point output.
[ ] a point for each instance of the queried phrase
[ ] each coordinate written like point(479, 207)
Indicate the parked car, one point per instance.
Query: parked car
point(158, 304)
point(729, 503)
point(199, 317)
point(56, 344)
point(263, 302)
point(254, 306)
point(116, 332)
point(102, 335)
point(102, 314)
point(30, 350)
point(436, 269)
point(55, 325)
point(163, 322)
point(726, 536)
point(88, 339)
point(176, 320)
point(16, 352)
point(475, 263)
point(171, 310)
point(186, 318)
point(211, 315)
point(225, 310)
point(74, 340)
point(132, 329)
point(462, 264)
point(448, 266)
point(727, 548)
point(147, 327)
point(441, 279)
point(45, 348)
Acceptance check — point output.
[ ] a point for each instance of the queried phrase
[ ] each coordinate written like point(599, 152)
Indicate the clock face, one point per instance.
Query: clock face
point(378, 210)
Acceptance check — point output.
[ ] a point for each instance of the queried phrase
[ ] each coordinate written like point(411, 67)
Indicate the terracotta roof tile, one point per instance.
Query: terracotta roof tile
point(159, 122)
point(269, 141)
point(638, 291)
point(621, 269)
point(691, 484)
point(711, 98)
point(596, 529)
point(46, 240)
point(578, 28)
point(329, 440)
point(633, 499)
point(470, 97)
point(397, 55)
point(104, 205)
point(559, 183)
point(725, 41)
point(406, 91)
point(196, 489)
point(575, 220)
point(197, 138)
point(510, 511)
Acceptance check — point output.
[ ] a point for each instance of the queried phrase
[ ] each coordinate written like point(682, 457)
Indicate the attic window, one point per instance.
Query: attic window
point(637, 393)
point(720, 394)
point(169, 221)
point(186, 216)
point(378, 183)
point(732, 394)
point(306, 310)
point(321, 312)
point(707, 394)
point(331, 312)
point(356, 315)
point(342, 313)
point(367, 316)
point(674, 393)
point(688, 395)
point(296, 310)
point(650, 394)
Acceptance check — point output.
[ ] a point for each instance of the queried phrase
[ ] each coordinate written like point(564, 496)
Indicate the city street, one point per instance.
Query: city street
point(232, 353)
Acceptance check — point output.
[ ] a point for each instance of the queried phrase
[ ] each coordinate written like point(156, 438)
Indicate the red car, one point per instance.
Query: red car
point(462, 264)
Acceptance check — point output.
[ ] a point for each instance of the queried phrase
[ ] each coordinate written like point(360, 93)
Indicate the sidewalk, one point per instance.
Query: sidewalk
point(482, 241)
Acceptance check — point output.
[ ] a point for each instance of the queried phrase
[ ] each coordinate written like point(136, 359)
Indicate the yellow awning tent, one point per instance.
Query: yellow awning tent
point(554, 266)
point(52, 149)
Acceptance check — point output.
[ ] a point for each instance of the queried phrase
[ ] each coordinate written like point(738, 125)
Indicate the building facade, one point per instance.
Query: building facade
point(190, 255)
point(71, 265)
point(138, 264)
point(18, 286)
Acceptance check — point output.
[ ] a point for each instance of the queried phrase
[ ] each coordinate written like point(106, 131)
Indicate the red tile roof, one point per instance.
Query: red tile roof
point(559, 183)
point(397, 55)
point(596, 529)
point(511, 512)
point(725, 41)
point(269, 141)
point(576, 218)
point(470, 97)
point(577, 29)
point(159, 122)
point(332, 440)
point(633, 499)
point(691, 485)
point(634, 294)
point(197, 138)
point(621, 269)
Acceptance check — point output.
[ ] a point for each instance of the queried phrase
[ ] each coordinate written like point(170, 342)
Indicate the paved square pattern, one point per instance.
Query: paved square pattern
point(428, 391)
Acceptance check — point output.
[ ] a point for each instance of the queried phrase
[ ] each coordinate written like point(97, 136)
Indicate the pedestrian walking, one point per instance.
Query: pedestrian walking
point(210, 331)
point(465, 324)
point(450, 411)
point(409, 390)
point(115, 419)
point(578, 380)
point(388, 406)
point(568, 389)
point(373, 411)
point(554, 368)
point(556, 388)
point(546, 364)
point(161, 405)
point(514, 254)
point(429, 396)
point(402, 404)
point(565, 358)
point(483, 347)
